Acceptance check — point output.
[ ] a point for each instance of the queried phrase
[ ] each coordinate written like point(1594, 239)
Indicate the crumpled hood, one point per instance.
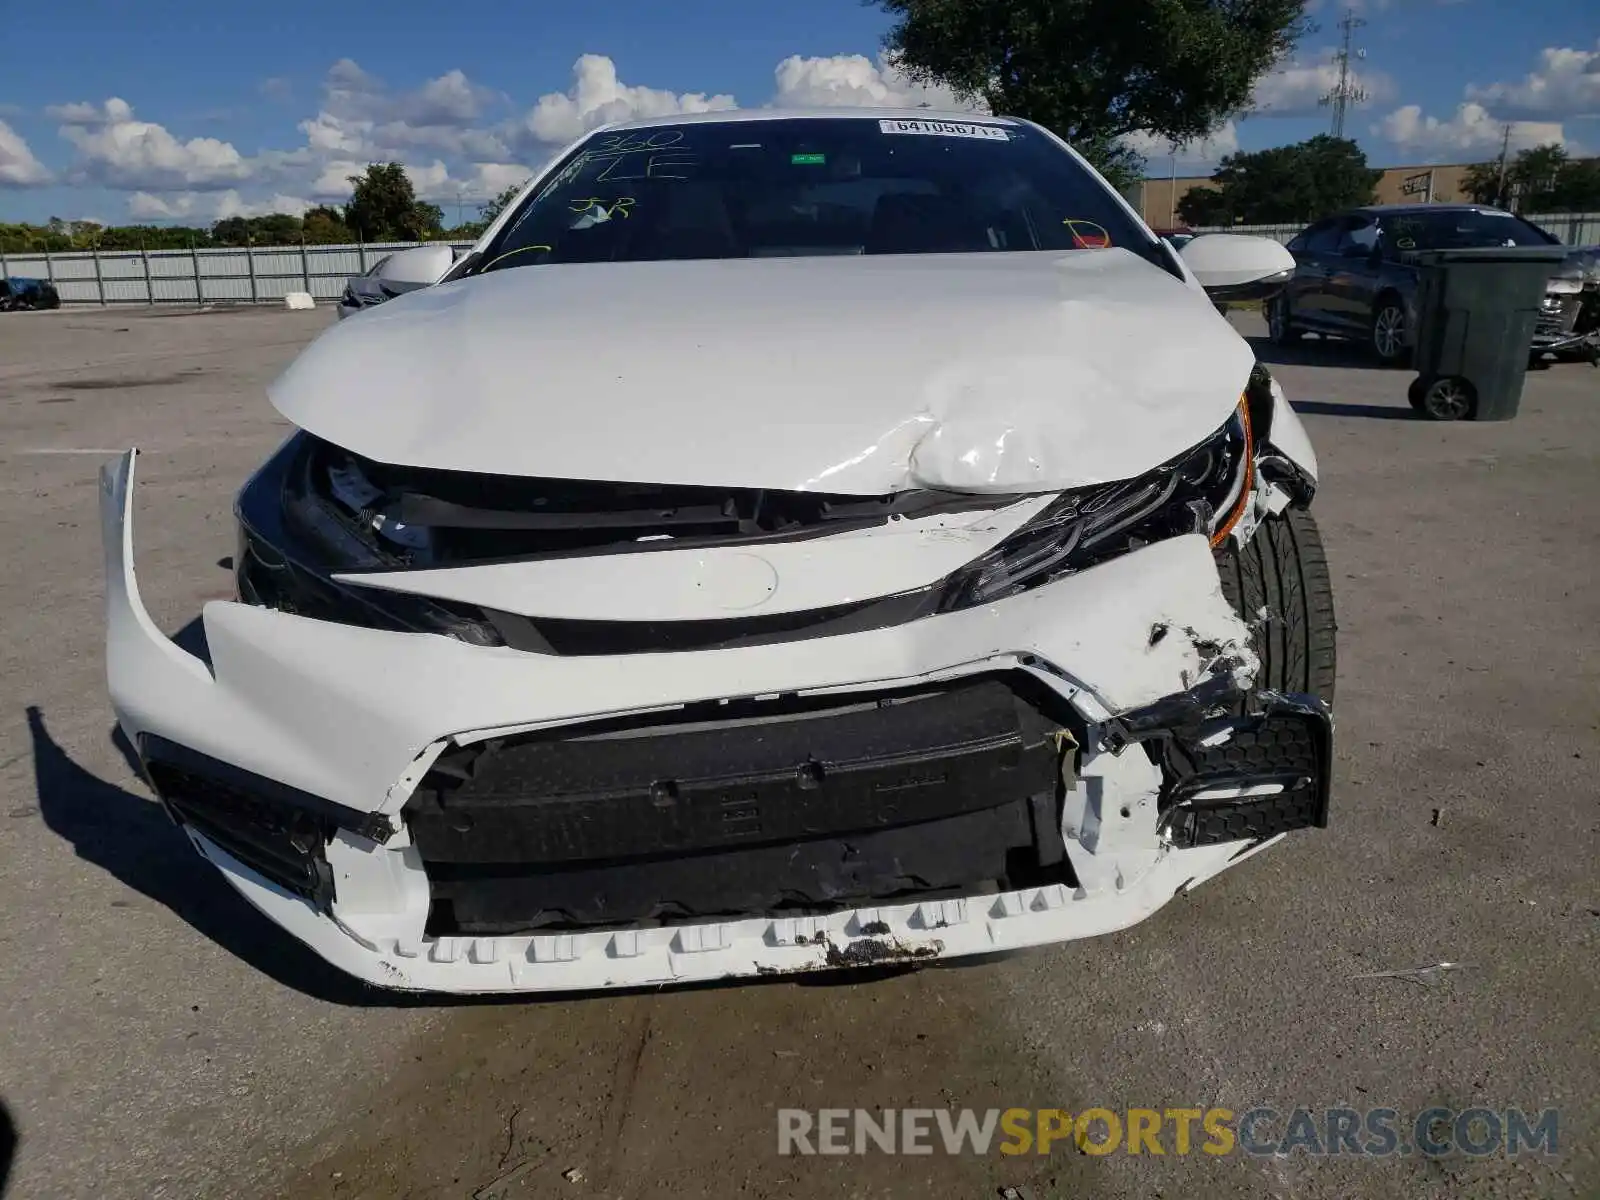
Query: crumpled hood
point(861, 375)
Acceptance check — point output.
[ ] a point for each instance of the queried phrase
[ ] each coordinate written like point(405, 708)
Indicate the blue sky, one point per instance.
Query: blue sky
point(172, 110)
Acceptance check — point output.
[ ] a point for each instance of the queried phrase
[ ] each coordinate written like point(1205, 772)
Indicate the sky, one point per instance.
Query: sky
point(180, 111)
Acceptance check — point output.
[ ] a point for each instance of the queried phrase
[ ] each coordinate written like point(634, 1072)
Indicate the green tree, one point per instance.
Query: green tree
point(324, 226)
point(1094, 71)
point(1577, 188)
point(499, 202)
point(1204, 206)
point(1539, 179)
point(1483, 183)
point(274, 229)
point(384, 207)
point(1535, 175)
point(1286, 183)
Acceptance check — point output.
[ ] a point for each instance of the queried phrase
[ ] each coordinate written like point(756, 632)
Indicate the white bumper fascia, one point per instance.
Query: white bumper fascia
point(356, 716)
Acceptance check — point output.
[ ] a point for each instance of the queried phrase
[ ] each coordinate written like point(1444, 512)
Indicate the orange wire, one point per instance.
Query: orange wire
point(1249, 477)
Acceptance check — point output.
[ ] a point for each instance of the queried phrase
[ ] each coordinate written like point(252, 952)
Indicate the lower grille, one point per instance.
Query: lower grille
point(746, 809)
point(1287, 748)
point(277, 831)
point(283, 847)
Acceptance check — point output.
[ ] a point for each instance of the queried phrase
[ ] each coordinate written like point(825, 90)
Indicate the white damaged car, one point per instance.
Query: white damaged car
point(786, 541)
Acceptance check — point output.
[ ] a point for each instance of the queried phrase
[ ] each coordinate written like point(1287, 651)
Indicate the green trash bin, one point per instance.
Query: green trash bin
point(1476, 312)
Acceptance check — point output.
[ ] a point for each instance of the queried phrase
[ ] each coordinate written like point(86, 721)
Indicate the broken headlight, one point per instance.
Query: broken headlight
point(302, 521)
point(1204, 490)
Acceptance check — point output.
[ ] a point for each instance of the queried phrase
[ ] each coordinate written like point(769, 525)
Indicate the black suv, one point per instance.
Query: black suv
point(1351, 278)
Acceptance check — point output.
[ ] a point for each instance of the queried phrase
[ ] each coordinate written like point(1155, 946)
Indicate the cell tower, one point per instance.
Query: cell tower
point(1345, 92)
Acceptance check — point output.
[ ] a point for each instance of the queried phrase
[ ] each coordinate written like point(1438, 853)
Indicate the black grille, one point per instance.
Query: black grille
point(1288, 746)
point(743, 809)
point(276, 830)
point(281, 845)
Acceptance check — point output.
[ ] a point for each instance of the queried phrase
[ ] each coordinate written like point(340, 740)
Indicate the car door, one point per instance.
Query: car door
point(1355, 272)
point(1313, 257)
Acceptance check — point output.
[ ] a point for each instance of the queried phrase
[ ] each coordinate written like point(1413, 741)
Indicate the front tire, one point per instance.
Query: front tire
point(1284, 569)
point(1280, 330)
point(1388, 334)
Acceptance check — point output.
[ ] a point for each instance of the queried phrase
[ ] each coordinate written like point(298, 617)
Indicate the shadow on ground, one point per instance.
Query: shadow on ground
point(131, 838)
point(8, 1146)
point(1318, 352)
point(1377, 412)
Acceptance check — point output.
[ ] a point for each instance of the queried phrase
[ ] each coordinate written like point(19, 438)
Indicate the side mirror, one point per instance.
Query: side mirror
point(1238, 267)
point(418, 267)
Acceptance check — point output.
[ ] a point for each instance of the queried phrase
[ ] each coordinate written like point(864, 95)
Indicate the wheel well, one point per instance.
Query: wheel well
point(1386, 295)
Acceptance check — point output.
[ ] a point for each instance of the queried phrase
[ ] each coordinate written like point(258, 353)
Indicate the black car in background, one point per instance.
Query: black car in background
point(1351, 279)
point(17, 293)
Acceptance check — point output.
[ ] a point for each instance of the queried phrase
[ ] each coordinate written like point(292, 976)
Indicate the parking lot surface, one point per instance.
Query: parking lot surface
point(164, 1041)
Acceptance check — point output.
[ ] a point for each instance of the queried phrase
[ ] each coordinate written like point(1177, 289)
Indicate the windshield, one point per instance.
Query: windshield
point(820, 186)
point(1460, 229)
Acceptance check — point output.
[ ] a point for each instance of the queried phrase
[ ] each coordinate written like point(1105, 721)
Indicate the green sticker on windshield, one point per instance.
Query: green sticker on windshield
point(808, 160)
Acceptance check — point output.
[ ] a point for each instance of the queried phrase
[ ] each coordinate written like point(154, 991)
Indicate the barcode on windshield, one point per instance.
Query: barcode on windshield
point(965, 129)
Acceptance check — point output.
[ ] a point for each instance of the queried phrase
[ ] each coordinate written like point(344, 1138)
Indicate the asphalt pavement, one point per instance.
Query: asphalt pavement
point(163, 1040)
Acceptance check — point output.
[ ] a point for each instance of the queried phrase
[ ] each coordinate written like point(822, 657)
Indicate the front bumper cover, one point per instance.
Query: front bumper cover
point(333, 728)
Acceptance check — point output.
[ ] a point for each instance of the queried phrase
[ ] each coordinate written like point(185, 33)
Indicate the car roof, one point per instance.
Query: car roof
point(836, 112)
point(1380, 210)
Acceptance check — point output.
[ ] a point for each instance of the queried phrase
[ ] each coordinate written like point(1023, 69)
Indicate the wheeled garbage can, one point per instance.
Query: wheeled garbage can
point(1476, 311)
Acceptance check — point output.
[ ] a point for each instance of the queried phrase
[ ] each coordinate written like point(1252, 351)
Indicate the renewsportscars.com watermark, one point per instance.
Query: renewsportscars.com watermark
point(1363, 1133)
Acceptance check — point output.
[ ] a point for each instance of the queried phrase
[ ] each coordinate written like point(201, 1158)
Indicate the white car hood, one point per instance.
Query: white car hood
point(861, 375)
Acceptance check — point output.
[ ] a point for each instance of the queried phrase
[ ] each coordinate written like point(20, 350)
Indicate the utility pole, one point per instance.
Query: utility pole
point(1172, 189)
point(1505, 149)
point(1345, 93)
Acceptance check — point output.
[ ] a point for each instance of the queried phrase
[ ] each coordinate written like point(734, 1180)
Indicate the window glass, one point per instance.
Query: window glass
point(788, 187)
point(1322, 238)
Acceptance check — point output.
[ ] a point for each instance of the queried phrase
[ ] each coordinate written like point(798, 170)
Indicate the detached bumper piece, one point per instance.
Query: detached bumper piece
point(1252, 777)
point(275, 830)
point(784, 806)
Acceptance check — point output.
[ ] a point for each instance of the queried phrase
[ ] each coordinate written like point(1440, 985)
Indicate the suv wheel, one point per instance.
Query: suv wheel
point(1279, 329)
point(1389, 332)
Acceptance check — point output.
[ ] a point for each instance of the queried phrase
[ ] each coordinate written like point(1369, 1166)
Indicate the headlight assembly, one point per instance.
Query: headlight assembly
point(1204, 490)
point(293, 538)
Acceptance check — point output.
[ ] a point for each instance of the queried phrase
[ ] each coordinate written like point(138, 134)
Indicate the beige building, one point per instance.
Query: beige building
point(1158, 195)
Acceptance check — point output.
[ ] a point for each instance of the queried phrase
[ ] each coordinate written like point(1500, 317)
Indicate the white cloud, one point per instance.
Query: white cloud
point(230, 204)
point(209, 206)
point(18, 166)
point(77, 113)
point(360, 117)
point(1193, 157)
point(1471, 134)
point(1295, 88)
point(597, 96)
point(144, 206)
point(492, 178)
point(333, 182)
point(326, 133)
point(854, 79)
point(117, 150)
point(1565, 84)
point(432, 182)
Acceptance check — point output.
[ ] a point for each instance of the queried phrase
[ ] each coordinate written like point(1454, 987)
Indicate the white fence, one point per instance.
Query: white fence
point(263, 274)
point(232, 275)
point(1574, 229)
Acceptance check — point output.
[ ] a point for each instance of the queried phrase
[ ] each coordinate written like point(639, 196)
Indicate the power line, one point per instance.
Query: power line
point(1346, 92)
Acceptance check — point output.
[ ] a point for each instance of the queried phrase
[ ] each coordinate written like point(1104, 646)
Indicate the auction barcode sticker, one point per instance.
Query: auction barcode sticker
point(994, 133)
